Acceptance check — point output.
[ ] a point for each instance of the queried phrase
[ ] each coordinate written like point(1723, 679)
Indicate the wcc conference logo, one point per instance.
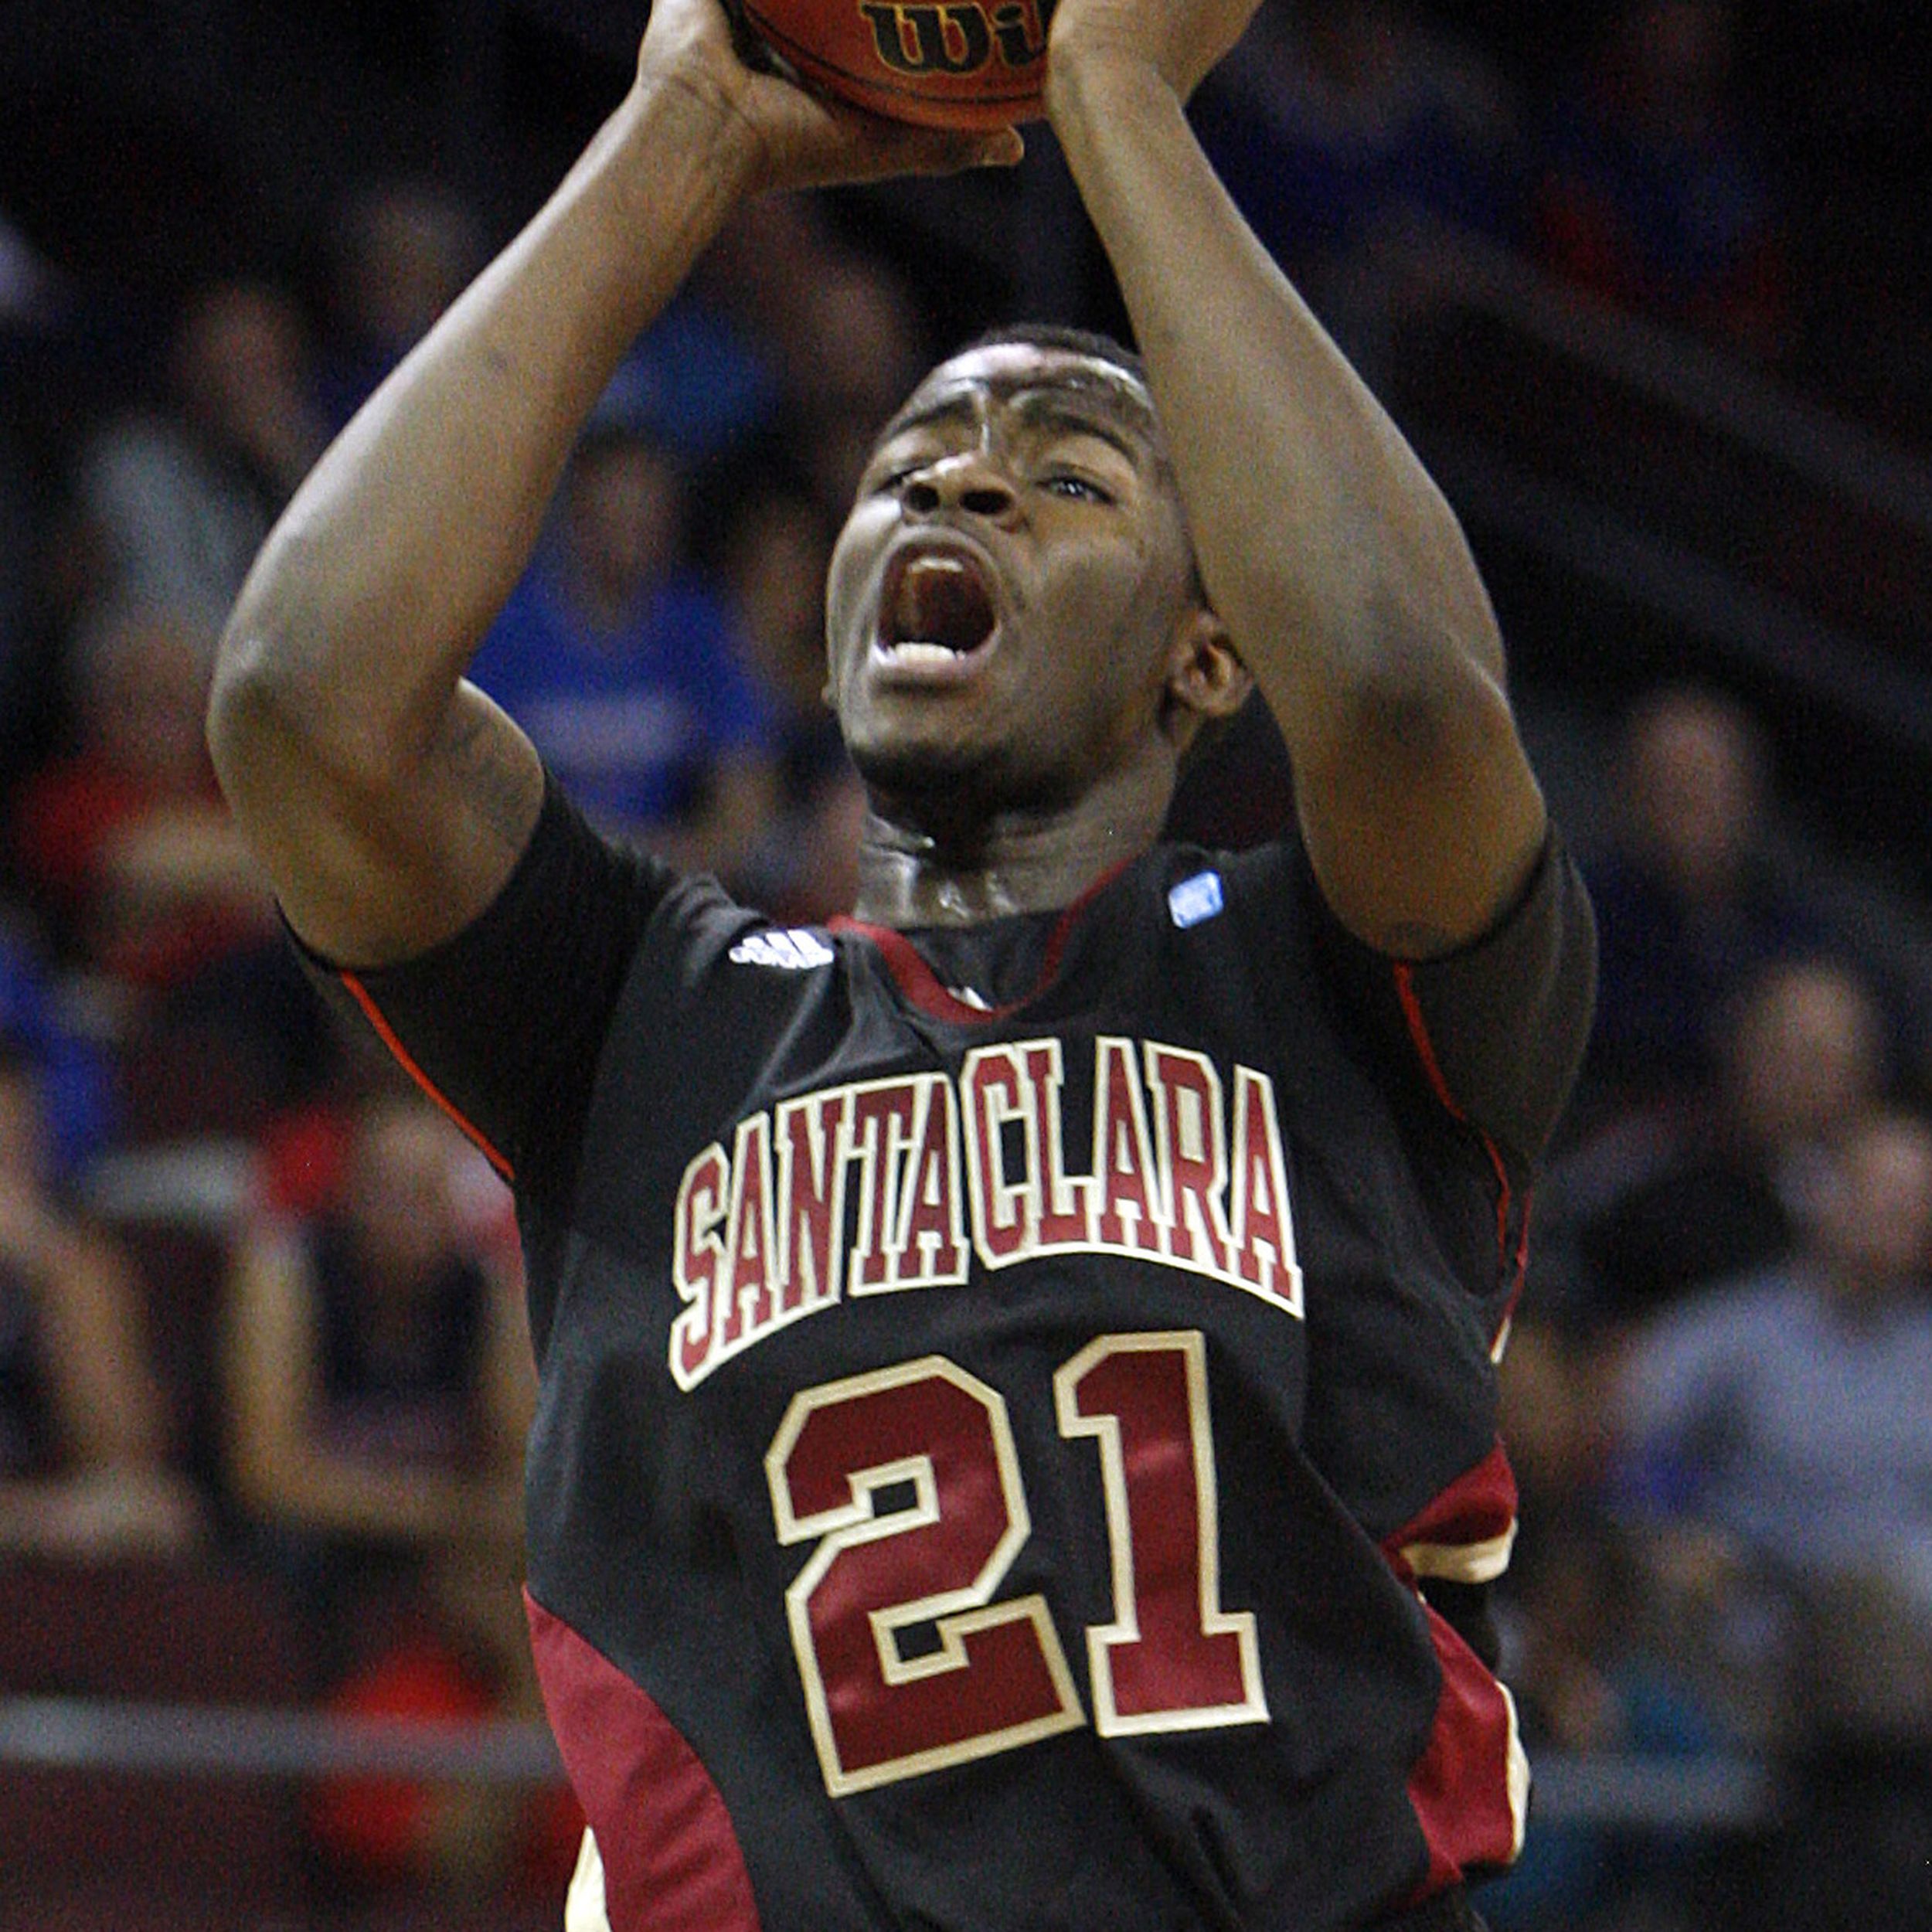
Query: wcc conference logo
point(959, 37)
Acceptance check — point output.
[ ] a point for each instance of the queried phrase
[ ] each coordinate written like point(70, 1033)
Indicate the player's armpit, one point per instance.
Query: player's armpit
point(494, 771)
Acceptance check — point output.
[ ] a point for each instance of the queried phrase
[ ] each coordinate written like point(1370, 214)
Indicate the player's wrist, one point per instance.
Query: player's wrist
point(1094, 83)
point(681, 129)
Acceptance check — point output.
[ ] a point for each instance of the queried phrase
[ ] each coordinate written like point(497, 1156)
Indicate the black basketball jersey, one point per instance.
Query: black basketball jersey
point(1007, 1395)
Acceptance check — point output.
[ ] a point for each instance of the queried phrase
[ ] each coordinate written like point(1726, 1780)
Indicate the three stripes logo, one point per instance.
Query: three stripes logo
point(796, 950)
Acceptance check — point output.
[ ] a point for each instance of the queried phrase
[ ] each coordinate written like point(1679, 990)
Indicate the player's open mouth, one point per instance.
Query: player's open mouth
point(936, 612)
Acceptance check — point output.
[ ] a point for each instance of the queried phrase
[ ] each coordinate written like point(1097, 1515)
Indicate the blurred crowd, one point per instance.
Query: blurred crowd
point(258, 1302)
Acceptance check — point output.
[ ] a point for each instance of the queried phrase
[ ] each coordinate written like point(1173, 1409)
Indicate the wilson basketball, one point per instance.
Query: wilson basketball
point(941, 63)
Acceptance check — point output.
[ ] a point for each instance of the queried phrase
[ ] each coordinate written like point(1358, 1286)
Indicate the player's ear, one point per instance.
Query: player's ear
point(1206, 680)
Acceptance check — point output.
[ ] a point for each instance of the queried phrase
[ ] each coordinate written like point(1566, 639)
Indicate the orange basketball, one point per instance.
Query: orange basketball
point(941, 63)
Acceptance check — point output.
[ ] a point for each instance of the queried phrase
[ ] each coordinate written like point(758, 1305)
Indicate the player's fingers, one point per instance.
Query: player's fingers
point(897, 148)
point(830, 142)
point(949, 153)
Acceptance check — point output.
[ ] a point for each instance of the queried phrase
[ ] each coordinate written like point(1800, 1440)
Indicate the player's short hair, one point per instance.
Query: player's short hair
point(1091, 343)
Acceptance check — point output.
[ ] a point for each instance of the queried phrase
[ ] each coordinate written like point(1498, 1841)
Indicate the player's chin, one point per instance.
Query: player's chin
point(945, 781)
point(914, 764)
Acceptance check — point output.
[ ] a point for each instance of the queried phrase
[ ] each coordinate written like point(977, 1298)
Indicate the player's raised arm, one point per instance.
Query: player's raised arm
point(388, 799)
point(1339, 570)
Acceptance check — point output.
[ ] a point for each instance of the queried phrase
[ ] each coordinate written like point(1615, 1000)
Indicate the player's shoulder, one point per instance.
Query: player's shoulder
point(1248, 869)
point(703, 944)
point(1265, 888)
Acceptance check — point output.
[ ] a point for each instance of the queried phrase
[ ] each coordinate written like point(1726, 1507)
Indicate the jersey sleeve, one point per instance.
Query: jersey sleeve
point(1497, 1030)
point(502, 1025)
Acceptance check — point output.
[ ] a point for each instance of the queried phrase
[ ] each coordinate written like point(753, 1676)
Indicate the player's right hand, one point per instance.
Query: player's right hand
point(773, 134)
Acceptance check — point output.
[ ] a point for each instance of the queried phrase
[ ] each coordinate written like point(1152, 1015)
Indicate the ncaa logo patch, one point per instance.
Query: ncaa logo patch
point(1196, 900)
point(795, 951)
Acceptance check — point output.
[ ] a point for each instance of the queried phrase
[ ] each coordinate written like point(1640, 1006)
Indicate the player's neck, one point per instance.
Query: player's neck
point(914, 871)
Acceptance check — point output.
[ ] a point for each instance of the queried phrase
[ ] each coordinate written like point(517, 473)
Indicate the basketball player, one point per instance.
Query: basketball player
point(1017, 1444)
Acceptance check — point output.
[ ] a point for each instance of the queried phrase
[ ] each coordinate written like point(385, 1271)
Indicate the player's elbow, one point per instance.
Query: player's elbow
point(237, 696)
point(255, 722)
point(278, 721)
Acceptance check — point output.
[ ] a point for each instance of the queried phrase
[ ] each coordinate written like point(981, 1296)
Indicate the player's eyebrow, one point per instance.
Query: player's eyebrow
point(1058, 409)
point(953, 405)
point(1081, 405)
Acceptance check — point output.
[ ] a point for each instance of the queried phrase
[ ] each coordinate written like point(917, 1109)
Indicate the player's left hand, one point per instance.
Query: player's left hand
point(1183, 40)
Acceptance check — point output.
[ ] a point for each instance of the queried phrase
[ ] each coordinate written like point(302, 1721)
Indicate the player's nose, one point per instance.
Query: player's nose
point(968, 480)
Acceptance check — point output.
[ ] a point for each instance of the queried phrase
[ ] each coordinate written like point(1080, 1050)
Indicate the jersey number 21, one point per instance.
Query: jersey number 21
point(840, 1469)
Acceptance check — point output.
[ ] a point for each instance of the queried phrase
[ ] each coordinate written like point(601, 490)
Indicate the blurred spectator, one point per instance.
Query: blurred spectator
point(705, 377)
point(1554, 1414)
point(31, 696)
point(179, 497)
point(376, 1365)
point(1657, 1205)
point(402, 251)
point(1688, 904)
point(1786, 1410)
point(770, 553)
point(1597, 1670)
point(83, 1437)
point(1650, 192)
point(624, 669)
point(784, 329)
point(1782, 1421)
point(126, 843)
point(127, 851)
point(72, 1071)
point(1352, 138)
point(35, 310)
point(850, 347)
point(378, 1386)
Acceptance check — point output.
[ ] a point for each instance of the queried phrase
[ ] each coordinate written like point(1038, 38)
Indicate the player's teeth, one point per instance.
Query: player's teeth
point(913, 652)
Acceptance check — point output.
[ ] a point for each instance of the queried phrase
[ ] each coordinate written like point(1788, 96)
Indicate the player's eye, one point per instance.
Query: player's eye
point(899, 466)
point(1082, 488)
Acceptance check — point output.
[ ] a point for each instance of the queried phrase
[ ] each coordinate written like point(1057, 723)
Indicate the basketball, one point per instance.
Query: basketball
point(951, 63)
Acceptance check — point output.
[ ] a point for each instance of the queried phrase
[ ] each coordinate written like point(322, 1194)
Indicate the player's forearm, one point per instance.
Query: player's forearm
point(394, 558)
point(1308, 510)
point(1341, 571)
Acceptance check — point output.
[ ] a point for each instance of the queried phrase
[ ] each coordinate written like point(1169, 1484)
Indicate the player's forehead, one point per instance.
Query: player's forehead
point(1064, 387)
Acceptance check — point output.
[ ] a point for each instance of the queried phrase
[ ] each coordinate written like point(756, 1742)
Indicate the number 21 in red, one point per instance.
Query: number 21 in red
point(1171, 1658)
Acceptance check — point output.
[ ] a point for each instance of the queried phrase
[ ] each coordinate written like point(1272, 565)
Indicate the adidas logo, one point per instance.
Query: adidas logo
point(796, 950)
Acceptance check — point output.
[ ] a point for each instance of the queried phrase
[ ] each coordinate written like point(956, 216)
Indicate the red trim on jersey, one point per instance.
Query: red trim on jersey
point(404, 1059)
point(1412, 1013)
point(671, 1859)
point(1477, 1508)
point(1459, 1787)
point(921, 984)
